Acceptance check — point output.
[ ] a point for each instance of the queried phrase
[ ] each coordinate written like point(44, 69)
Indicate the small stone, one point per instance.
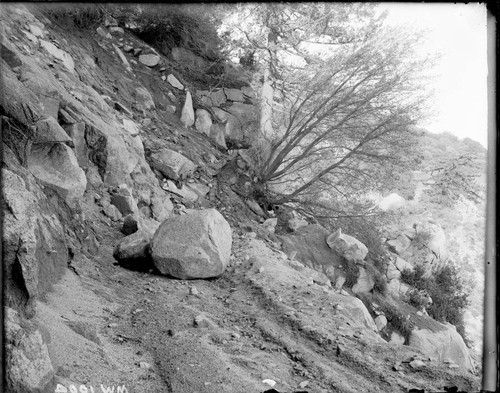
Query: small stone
point(102, 31)
point(175, 82)
point(193, 290)
point(137, 51)
point(150, 60)
point(201, 321)
point(112, 325)
point(269, 382)
point(236, 336)
point(303, 384)
point(145, 365)
point(115, 29)
point(417, 363)
point(127, 48)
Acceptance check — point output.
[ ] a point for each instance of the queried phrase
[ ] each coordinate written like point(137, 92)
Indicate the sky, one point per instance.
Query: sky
point(458, 33)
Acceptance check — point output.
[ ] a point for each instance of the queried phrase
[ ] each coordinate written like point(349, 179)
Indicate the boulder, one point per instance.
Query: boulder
point(150, 59)
point(188, 58)
point(132, 251)
point(130, 225)
point(195, 245)
point(270, 224)
point(27, 361)
point(234, 95)
point(402, 265)
point(131, 127)
point(76, 132)
point(144, 98)
point(10, 56)
point(393, 272)
point(49, 131)
point(185, 191)
point(218, 136)
point(213, 98)
point(248, 91)
point(34, 255)
point(296, 223)
point(124, 201)
point(365, 282)
point(187, 114)
point(441, 345)
point(203, 121)
point(358, 311)
point(308, 246)
point(65, 57)
point(56, 166)
point(347, 246)
point(172, 165)
point(381, 322)
point(175, 82)
point(397, 338)
point(400, 244)
point(392, 202)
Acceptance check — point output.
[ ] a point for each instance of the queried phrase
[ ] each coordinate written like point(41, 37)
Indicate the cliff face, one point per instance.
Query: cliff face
point(104, 138)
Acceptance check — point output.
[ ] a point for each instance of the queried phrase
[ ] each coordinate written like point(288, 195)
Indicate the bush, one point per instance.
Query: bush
point(352, 273)
point(18, 138)
point(399, 321)
point(447, 290)
point(84, 16)
point(189, 26)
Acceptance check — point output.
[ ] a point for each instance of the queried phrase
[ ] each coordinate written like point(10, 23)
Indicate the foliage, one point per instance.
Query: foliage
point(351, 271)
point(188, 26)
point(398, 320)
point(447, 290)
point(379, 278)
point(422, 238)
point(18, 137)
point(85, 16)
point(343, 115)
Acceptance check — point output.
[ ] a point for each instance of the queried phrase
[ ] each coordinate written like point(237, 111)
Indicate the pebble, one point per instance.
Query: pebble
point(145, 365)
point(194, 291)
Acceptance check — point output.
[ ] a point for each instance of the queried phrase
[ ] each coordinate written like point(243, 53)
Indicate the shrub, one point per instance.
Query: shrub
point(399, 321)
point(85, 16)
point(352, 273)
point(189, 26)
point(18, 138)
point(447, 290)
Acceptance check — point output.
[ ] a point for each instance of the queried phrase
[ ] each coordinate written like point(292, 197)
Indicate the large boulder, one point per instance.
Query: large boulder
point(307, 245)
point(34, 250)
point(399, 244)
point(188, 58)
point(442, 345)
point(56, 166)
point(173, 165)
point(358, 311)
point(187, 114)
point(195, 245)
point(365, 282)
point(27, 361)
point(347, 246)
point(203, 121)
point(133, 250)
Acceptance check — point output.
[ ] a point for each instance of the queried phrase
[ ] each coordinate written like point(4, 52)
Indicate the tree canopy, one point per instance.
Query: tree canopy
point(347, 94)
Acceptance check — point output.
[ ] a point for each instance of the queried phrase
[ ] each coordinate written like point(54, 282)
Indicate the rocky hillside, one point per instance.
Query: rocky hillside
point(136, 261)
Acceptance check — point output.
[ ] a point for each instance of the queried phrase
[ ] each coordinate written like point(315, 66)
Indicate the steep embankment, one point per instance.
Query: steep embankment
point(98, 143)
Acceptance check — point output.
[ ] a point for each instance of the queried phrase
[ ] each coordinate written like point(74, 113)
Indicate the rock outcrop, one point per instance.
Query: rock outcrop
point(195, 245)
point(27, 361)
point(347, 246)
point(445, 344)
